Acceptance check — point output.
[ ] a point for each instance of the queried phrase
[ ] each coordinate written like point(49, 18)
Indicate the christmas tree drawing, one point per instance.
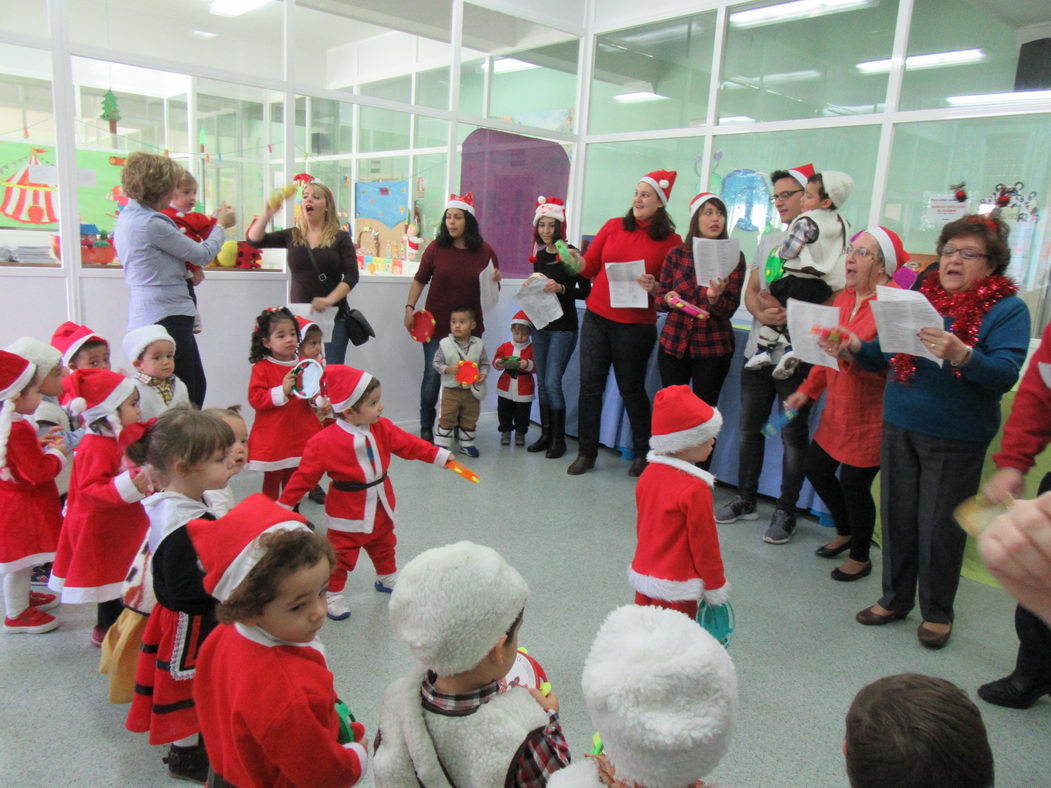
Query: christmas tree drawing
point(110, 111)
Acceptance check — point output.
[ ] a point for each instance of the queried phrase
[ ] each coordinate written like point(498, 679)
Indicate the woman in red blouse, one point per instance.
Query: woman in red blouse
point(622, 336)
point(848, 436)
point(693, 351)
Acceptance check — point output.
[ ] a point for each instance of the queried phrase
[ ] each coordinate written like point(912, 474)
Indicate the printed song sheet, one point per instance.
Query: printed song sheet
point(541, 308)
point(803, 317)
point(900, 315)
point(624, 290)
point(488, 290)
point(714, 259)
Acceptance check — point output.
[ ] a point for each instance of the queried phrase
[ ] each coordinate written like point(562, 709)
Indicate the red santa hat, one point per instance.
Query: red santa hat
point(96, 394)
point(304, 325)
point(548, 208)
point(662, 181)
point(521, 319)
point(70, 337)
point(345, 385)
point(465, 202)
point(15, 374)
point(802, 173)
point(894, 254)
point(228, 548)
point(699, 200)
point(138, 339)
point(682, 420)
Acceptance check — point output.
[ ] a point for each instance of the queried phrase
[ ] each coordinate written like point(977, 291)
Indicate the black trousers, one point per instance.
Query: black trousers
point(704, 375)
point(188, 366)
point(513, 414)
point(1034, 636)
point(849, 497)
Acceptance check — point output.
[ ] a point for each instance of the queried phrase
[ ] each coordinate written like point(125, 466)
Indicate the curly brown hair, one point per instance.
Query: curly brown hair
point(287, 550)
point(993, 232)
point(264, 327)
point(181, 435)
point(148, 178)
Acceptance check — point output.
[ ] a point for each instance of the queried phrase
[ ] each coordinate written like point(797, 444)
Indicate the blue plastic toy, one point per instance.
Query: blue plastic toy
point(778, 422)
point(718, 620)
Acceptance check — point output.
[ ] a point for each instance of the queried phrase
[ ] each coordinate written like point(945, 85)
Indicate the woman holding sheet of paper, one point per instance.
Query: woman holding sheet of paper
point(697, 351)
point(620, 324)
point(848, 436)
point(938, 419)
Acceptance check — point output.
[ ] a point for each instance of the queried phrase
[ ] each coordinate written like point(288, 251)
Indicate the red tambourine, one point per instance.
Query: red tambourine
point(524, 672)
point(467, 373)
point(423, 324)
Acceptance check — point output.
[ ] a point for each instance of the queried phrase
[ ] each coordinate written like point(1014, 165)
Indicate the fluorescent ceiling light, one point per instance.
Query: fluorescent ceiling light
point(638, 96)
point(1000, 98)
point(504, 65)
point(234, 7)
point(737, 119)
point(782, 78)
point(958, 57)
point(204, 34)
point(799, 9)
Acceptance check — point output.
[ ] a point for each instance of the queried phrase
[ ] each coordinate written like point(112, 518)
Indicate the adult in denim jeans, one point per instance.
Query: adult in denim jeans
point(554, 343)
point(759, 389)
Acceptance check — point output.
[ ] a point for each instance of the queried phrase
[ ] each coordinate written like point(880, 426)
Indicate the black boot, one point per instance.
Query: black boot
point(544, 441)
point(188, 763)
point(558, 434)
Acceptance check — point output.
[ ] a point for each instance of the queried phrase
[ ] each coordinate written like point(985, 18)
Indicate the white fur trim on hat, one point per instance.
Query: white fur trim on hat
point(657, 187)
point(662, 693)
point(886, 245)
point(700, 200)
point(137, 340)
point(685, 439)
point(108, 406)
point(355, 395)
point(41, 354)
point(452, 604)
point(246, 560)
point(25, 377)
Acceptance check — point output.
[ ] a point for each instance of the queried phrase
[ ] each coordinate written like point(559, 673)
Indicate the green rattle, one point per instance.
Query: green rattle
point(346, 735)
point(566, 256)
point(512, 363)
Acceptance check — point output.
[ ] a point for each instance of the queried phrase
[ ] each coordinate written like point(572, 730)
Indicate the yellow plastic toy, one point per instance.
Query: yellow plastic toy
point(278, 196)
point(227, 257)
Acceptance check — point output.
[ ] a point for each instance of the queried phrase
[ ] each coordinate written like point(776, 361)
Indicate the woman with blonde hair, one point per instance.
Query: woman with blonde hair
point(321, 259)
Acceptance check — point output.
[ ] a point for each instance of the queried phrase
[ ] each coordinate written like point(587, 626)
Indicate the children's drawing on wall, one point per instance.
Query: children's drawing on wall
point(381, 225)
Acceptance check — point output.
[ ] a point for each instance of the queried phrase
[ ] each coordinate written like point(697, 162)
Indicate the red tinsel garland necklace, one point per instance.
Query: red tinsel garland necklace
point(967, 310)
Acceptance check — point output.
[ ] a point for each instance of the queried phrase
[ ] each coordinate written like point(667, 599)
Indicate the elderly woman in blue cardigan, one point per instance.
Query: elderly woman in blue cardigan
point(938, 420)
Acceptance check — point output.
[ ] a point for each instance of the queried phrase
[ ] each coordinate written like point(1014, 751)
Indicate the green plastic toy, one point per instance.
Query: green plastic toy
point(346, 735)
point(512, 363)
point(566, 256)
point(719, 620)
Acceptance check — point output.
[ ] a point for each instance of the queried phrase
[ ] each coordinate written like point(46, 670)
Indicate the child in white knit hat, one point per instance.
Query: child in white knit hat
point(459, 608)
point(151, 352)
point(662, 693)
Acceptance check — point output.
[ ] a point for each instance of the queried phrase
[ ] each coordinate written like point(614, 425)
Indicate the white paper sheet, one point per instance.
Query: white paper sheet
point(326, 320)
point(804, 316)
point(624, 290)
point(541, 308)
point(900, 315)
point(488, 290)
point(713, 259)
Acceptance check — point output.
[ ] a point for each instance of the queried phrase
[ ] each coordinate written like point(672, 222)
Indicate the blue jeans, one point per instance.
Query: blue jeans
point(336, 350)
point(431, 385)
point(551, 354)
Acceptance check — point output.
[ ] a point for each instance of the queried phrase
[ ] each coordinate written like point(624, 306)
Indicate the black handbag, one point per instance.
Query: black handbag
point(356, 324)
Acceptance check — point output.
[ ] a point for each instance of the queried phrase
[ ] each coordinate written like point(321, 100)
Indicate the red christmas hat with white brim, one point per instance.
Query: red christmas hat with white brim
point(521, 319)
point(228, 548)
point(38, 353)
point(663, 181)
point(682, 420)
point(138, 339)
point(894, 254)
point(465, 202)
point(96, 394)
point(70, 337)
point(345, 385)
point(15, 374)
point(304, 325)
point(802, 173)
point(700, 200)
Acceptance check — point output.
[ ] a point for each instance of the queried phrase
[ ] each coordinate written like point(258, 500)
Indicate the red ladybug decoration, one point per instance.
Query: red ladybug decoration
point(248, 256)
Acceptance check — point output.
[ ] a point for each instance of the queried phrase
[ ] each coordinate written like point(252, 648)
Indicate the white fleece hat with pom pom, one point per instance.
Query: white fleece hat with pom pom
point(453, 603)
point(662, 693)
point(41, 354)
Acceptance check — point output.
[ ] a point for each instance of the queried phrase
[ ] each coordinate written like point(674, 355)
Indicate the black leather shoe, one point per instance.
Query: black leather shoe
point(580, 465)
point(638, 465)
point(1014, 691)
point(831, 552)
point(848, 577)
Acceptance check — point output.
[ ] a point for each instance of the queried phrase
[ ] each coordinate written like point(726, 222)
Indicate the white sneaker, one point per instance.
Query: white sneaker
point(786, 367)
point(760, 359)
point(337, 607)
point(385, 583)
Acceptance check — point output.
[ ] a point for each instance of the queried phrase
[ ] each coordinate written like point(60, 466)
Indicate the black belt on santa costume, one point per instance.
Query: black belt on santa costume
point(357, 486)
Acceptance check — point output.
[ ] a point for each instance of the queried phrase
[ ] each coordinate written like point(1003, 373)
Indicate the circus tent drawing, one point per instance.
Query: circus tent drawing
point(24, 200)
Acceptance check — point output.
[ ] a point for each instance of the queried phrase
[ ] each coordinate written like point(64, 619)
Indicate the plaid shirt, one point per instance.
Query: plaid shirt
point(803, 231)
point(545, 750)
point(684, 336)
point(165, 386)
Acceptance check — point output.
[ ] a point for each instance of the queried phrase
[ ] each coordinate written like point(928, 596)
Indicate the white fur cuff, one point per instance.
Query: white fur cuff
point(126, 488)
point(278, 396)
point(717, 596)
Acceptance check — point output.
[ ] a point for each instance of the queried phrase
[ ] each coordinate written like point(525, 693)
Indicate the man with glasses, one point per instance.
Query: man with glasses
point(759, 389)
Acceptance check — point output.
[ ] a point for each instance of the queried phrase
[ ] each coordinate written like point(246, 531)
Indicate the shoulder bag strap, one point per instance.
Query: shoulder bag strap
point(321, 277)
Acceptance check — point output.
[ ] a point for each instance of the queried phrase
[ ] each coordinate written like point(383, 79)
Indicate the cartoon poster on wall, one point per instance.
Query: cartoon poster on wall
point(380, 221)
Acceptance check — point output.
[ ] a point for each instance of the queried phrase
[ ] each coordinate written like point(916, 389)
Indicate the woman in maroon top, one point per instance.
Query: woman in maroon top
point(694, 351)
point(622, 336)
point(451, 264)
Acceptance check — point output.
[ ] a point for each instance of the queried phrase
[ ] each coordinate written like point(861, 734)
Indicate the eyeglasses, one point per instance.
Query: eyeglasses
point(860, 252)
point(966, 254)
point(782, 196)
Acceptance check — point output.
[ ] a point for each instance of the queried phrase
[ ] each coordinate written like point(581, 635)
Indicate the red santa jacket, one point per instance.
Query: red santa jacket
point(677, 558)
point(32, 514)
point(195, 226)
point(521, 387)
point(267, 710)
point(283, 423)
point(349, 453)
point(1028, 428)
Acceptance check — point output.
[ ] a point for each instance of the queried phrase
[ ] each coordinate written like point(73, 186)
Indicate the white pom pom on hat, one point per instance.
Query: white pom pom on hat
point(77, 405)
point(541, 200)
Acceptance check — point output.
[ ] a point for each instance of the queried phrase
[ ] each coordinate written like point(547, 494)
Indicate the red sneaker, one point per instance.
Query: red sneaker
point(98, 634)
point(31, 622)
point(42, 602)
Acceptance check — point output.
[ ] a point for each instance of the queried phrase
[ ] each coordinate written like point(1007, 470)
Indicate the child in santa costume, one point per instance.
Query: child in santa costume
point(32, 517)
point(264, 692)
point(517, 384)
point(194, 225)
point(81, 348)
point(187, 454)
point(449, 722)
point(283, 421)
point(312, 346)
point(151, 351)
point(677, 560)
point(355, 452)
point(105, 522)
point(667, 727)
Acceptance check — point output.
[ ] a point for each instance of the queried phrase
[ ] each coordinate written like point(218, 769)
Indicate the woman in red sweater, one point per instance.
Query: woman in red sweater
point(451, 264)
point(623, 336)
point(848, 436)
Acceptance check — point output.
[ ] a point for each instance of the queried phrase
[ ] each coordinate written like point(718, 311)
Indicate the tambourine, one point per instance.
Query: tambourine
point(423, 324)
point(525, 672)
point(467, 373)
point(718, 620)
point(306, 383)
point(977, 513)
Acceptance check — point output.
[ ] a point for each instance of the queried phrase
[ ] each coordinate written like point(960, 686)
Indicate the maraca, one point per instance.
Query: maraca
point(278, 196)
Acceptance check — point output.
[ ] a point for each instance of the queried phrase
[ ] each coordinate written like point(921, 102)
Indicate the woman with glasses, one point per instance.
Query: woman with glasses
point(938, 420)
point(848, 436)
